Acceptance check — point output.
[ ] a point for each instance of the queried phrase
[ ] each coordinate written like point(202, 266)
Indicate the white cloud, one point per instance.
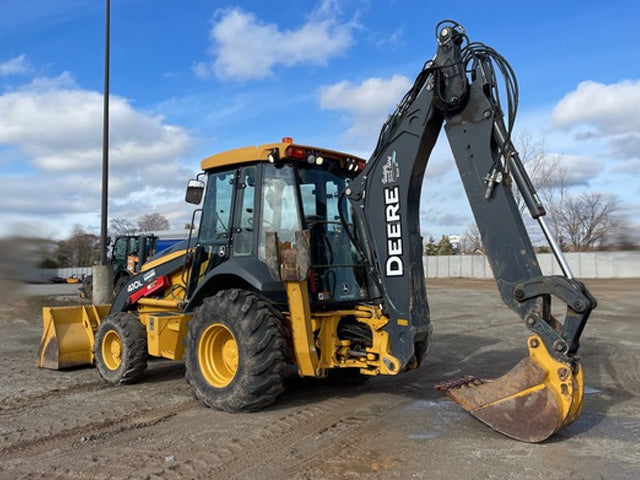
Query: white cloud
point(570, 170)
point(596, 110)
point(60, 127)
point(244, 47)
point(366, 105)
point(15, 66)
point(201, 70)
point(57, 127)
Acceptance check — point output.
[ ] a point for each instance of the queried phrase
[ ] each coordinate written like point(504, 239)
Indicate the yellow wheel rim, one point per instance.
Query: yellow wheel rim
point(112, 350)
point(218, 355)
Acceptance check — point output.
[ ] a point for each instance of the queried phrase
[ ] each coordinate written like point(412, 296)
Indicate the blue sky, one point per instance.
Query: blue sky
point(189, 79)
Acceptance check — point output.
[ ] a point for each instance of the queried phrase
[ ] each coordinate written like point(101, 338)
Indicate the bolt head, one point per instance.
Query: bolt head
point(560, 346)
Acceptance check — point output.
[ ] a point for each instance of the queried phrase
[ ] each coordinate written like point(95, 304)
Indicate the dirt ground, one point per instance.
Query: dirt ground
point(70, 425)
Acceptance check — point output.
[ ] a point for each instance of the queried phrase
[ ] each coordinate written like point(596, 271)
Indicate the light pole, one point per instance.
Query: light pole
point(102, 273)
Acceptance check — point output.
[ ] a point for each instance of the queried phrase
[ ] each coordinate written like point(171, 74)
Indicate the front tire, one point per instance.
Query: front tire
point(236, 353)
point(120, 349)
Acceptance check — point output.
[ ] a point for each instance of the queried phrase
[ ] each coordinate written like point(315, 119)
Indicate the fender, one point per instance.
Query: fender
point(239, 271)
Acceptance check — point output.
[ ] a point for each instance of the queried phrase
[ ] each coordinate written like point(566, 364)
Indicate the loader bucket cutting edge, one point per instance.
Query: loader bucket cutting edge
point(67, 335)
point(535, 399)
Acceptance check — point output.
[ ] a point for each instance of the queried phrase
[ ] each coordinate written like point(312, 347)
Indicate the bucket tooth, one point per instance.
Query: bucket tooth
point(535, 399)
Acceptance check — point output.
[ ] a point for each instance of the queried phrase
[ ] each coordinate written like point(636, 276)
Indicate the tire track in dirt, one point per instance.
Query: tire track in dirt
point(272, 443)
point(295, 439)
point(298, 437)
point(332, 438)
point(363, 448)
point(69, 439)
point(236, 458)
point(359, 422)
point(10, 405)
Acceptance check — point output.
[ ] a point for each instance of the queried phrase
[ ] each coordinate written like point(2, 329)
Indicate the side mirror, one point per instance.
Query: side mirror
point(195, 190)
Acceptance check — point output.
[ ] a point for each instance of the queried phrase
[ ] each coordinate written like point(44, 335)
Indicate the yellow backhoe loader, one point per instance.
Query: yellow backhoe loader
point(313, 258)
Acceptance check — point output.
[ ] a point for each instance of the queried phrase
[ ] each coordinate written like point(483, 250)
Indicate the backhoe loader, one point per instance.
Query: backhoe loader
point(312, 258)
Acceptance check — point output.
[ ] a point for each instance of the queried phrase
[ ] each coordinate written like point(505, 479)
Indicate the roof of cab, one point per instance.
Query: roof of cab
point(260, 153)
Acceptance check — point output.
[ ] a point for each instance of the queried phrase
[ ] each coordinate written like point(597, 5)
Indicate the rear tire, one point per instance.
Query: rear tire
point(236, 353)
point(120, 349)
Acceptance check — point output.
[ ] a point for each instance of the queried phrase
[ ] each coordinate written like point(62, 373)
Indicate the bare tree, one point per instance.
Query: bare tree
point(121, 226)
point(150, 222)
point(550, 178)
point(79, 250)
point(580, 222)
point(471, 241)
point(589, 220)
point(539, 166)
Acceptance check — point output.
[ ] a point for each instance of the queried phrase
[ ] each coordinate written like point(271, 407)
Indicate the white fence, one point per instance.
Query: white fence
point(80, 272)
point(583, 265)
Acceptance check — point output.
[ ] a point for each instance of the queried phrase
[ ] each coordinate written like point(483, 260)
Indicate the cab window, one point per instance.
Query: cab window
point(216, 217)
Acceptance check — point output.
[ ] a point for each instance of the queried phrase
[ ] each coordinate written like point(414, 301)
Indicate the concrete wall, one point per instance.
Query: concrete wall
point(583, 265)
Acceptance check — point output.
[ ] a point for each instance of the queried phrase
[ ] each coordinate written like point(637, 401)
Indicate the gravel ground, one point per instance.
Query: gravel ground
point(70, 425)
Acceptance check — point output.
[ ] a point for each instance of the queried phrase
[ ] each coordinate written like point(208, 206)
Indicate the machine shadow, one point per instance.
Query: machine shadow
point(451, 356)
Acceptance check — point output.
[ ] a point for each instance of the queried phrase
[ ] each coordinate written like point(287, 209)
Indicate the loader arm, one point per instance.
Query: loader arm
point(458, 88)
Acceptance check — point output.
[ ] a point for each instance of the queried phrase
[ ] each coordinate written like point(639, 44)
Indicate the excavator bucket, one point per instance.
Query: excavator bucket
point(67, 335)
point(538, 397)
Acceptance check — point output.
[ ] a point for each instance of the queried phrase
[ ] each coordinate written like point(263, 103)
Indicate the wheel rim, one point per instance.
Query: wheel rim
point(112, 350)
point(218, 355)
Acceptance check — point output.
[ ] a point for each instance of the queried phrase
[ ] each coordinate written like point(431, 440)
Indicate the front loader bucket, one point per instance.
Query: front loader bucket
point(67, 335)
point(535, 399)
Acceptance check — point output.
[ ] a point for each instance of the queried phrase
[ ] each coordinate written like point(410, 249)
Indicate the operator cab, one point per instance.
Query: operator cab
point(282, 188)
point(129, 252)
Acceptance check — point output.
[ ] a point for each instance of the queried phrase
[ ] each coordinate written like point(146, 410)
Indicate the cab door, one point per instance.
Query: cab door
point(244, 231)
point(214, 235)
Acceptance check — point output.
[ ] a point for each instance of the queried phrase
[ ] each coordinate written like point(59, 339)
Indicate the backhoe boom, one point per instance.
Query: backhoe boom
point(458, 88)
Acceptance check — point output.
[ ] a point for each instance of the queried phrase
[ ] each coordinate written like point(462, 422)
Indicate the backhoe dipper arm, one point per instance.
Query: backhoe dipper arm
point(458, 87)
